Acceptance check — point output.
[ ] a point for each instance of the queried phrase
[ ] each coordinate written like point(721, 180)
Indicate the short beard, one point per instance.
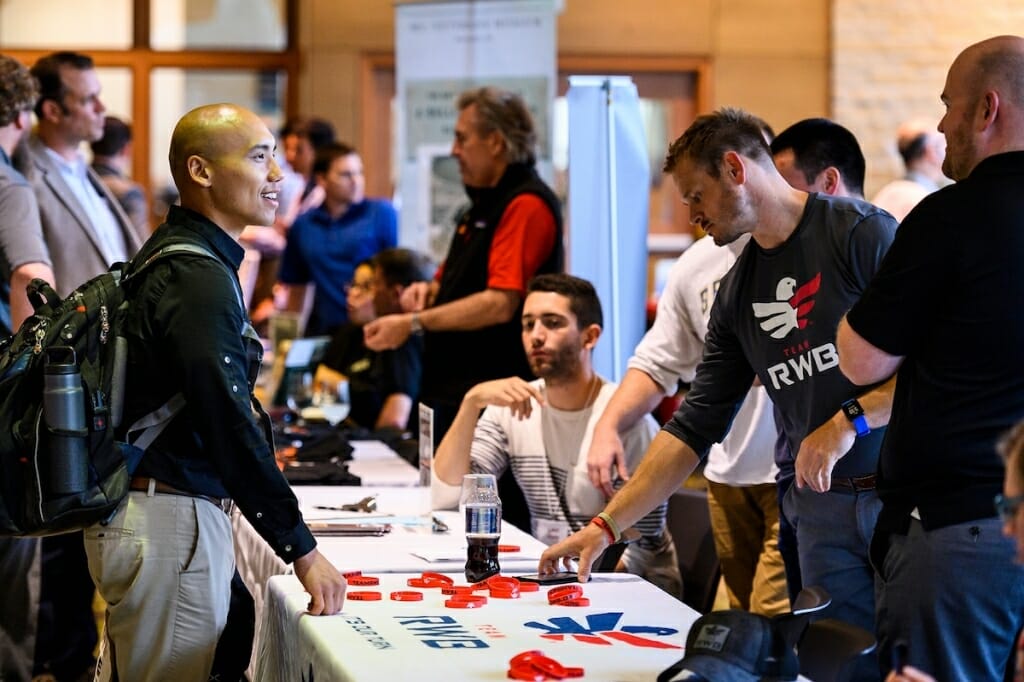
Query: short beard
point(563, 366)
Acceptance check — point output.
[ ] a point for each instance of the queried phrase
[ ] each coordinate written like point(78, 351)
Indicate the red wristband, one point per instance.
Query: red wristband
point(603, 525)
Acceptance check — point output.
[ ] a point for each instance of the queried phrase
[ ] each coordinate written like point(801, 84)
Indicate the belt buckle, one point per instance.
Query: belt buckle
point(226, 505)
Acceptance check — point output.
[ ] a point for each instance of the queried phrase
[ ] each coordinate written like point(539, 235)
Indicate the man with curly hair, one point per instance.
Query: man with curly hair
point(23, 256)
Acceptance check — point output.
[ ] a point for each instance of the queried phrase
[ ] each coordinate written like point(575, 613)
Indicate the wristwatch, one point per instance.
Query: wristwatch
point(855, 413)
point(415, 326)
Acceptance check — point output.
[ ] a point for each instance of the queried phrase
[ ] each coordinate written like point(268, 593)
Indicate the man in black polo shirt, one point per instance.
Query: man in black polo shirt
point(164, 563)
point(944, 311)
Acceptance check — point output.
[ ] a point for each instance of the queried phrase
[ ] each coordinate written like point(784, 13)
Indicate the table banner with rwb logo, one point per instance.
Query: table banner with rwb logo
point(631, 631)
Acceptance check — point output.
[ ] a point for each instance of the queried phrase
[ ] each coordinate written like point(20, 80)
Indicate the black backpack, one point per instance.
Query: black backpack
point(61, 401)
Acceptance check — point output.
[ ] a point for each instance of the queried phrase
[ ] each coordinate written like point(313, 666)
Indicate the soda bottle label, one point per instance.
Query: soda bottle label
point(482, 520)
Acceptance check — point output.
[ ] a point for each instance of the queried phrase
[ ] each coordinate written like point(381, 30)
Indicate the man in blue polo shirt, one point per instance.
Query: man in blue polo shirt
point(325, 244)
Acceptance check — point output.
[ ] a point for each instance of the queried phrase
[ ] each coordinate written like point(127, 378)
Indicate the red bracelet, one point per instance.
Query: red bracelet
point(603, 525)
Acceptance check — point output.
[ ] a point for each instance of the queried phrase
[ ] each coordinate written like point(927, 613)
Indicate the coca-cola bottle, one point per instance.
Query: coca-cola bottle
point(482, 509)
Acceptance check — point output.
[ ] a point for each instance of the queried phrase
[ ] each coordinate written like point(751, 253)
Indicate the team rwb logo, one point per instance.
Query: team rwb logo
point(711, 637)
point(790, 309)
point(601, 629)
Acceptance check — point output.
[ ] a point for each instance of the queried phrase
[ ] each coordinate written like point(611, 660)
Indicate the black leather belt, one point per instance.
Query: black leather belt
point(142, 483)
point(853, 484)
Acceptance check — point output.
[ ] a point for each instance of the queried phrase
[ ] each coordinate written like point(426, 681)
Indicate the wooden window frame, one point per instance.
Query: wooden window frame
point(141, 60)
point(374, 141)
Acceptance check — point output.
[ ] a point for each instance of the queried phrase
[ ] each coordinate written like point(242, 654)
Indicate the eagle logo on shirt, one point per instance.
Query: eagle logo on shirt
point(790, 309)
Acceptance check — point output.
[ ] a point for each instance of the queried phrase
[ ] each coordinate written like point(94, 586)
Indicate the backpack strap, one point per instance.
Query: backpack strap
point(153, 424)
point(195, 249)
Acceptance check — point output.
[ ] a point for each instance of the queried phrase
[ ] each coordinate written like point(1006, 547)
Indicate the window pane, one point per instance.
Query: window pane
point(66, 24)
point(218, 25)
point(116, 94)
point(177, 91)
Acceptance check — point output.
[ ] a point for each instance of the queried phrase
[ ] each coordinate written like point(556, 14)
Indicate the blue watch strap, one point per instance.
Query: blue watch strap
point(861, 425)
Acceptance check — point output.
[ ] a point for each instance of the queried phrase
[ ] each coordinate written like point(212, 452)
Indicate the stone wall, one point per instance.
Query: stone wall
point(889, 63)
point(768, 56)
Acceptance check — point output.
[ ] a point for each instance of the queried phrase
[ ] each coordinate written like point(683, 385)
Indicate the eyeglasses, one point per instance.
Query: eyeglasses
point(365, 287)
point(1007, 507)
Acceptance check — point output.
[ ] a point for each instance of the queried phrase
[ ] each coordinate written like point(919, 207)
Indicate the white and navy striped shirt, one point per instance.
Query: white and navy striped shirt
point(553, 487)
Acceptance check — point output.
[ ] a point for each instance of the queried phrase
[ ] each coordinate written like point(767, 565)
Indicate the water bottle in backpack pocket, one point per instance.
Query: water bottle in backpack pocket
point(66, 436)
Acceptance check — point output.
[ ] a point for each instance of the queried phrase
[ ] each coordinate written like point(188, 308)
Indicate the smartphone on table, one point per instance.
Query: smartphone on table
point(560, 578)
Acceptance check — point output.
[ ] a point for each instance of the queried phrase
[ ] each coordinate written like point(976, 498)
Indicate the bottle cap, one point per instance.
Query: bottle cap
point(509, 548)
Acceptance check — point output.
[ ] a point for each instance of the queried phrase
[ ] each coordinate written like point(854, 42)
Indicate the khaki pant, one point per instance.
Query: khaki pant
point(745, 524)
point(163, 565)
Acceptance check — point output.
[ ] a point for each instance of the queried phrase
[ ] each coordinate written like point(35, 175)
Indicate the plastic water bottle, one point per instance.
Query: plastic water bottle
point(64, 415)
point(483, 529)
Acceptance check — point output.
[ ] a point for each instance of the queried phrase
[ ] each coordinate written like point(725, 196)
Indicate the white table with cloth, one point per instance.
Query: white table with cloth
point(378, 465)
point(630, 631)
point(411, 546)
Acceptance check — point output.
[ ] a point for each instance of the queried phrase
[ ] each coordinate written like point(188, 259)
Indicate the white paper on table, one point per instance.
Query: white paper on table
point(436, 555)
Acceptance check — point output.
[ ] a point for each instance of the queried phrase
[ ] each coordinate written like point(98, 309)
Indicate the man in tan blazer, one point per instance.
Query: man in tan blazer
point(85, 228)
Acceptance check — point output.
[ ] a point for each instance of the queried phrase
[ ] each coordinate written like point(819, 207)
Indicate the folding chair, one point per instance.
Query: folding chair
point(829, 648)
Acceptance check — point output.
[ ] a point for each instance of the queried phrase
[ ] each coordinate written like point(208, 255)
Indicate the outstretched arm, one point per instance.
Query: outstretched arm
point(665, 466)
point(476, 311)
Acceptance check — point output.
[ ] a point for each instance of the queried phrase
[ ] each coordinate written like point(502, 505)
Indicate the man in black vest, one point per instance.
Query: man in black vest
point(511, 231)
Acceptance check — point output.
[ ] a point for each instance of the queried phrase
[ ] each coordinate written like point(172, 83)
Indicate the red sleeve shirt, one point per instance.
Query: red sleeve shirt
point(522, 241)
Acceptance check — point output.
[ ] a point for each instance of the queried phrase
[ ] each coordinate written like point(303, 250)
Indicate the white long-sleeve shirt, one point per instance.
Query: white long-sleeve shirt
point(672, 349)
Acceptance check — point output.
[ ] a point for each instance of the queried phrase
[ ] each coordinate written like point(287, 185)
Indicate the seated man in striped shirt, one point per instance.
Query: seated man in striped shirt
point(542, 429)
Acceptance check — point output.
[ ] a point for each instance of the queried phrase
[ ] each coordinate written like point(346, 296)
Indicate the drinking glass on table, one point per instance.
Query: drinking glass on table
point(300, 391)
point(334, 402)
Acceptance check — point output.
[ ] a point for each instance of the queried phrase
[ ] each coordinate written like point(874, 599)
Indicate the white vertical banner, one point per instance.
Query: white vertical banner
point(443, 48)
point(609, 186)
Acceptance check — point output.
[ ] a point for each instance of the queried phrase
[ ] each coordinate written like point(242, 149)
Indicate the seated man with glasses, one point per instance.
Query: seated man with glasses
point(384, 385)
